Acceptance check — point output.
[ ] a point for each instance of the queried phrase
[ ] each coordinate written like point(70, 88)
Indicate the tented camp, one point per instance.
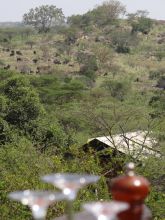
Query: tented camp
point(139, 144)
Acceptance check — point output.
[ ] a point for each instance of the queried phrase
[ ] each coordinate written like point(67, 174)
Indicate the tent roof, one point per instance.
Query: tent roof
point(131, 143)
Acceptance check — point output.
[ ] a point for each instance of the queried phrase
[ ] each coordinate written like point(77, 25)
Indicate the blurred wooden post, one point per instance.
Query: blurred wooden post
point(129, 188)
point(133, 190)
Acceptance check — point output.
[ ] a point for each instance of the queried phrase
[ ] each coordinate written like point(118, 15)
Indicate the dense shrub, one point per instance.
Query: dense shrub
point(157, 102)
point(142, 25)
point(117, 89)
point(88, 64)
point(104, 14)
point(23, 102)
point(155, 74)
point(123, 41)
point(3, 105)
point(80, 21)
point(46, 135)
point(108, 12)
point(59, 91)
point(21, 112)
point(161, 82)
point(21, 169)
point(5, 132)
point(160, 54)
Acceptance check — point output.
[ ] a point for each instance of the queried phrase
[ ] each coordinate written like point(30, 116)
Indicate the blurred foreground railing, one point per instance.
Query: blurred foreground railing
point(128, 193)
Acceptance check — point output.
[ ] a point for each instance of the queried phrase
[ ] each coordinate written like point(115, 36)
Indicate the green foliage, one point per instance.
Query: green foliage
point(5, 74)
point(140, 22)
point(157, 197)
point(53, 90)
point(22, 166)
point(23, 114)
point(46, 135)
point(104, 14)
point(45, 119)
point(117, 89)
point(157, 102)
point(156, 73)
point(80, 21)
point(1, 63)
point(44, 17)
point(124, 41)
point(5, 132)
point(14, 87)
point(160, 54)
point(155, 202)
point(108, 12)
point(122, 49)
point(3, 105)
point(74, 20)
point(161, 82)
point(70, 35)
point(143, 25)
point(88, 64)
point(23, 102)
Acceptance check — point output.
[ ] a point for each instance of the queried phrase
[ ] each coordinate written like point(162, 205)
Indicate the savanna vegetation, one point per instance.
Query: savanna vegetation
point(66, 80)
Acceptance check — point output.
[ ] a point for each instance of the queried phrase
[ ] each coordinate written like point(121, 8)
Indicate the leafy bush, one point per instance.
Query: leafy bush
point(157, 102)
point(70, 33)
point(155, 74)
point(161, 82)
point(80, 21)
point(59, 91)
point(5, 132)
point(1, 63)
point(22, 113)
point(22, 166)
point(3, 105)
point(118, 89)
point(142, 25)
point(156, 198)
point(108, 12)
point(23, 102)
point(46, 135)
point(122, 49)
point(88, 64)
point(124, 41)
point(159, 54)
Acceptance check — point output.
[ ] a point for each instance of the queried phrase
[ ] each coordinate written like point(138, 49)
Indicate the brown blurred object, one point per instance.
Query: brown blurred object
point(133, 190)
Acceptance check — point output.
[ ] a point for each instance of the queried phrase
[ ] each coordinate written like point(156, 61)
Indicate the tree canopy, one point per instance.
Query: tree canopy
point(44, 17)
point(108, 12)
point(140, 22)
point(103, 14)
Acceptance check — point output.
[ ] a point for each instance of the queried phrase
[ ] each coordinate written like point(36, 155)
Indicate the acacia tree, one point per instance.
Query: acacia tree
point(140, 22)
point(44, 17)
point(108, 12)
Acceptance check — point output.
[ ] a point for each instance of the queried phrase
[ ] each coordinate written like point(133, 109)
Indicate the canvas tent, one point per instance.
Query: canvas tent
point(137, 144)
